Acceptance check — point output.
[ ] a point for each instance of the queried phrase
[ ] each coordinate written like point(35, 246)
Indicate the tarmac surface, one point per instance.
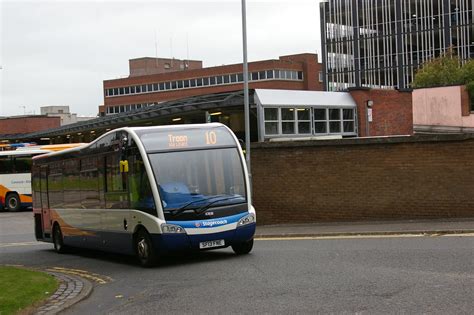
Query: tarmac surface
point(56, 303)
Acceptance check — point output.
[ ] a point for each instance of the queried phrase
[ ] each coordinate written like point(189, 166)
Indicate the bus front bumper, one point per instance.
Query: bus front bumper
point(182, 241)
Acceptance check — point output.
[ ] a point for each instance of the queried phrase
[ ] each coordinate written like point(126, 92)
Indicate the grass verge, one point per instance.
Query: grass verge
point(21, 288)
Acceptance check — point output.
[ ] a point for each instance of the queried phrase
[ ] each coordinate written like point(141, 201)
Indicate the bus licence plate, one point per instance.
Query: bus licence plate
point(210, 244)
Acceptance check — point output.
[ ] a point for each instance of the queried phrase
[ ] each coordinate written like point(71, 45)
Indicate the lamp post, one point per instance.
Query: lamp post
point(246, 90)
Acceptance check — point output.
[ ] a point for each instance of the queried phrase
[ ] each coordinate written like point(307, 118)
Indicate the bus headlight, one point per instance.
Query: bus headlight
point(171, 228)
point(248, 219)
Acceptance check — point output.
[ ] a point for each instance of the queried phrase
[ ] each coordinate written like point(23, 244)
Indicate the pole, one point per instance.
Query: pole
point(246, 91)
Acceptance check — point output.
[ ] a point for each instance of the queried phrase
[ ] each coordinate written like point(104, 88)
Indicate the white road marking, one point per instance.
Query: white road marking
point(2, 245)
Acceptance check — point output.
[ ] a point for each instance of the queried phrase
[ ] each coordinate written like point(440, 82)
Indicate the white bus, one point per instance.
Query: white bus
point(15, 174)
point(147, 191)
point(15, 178)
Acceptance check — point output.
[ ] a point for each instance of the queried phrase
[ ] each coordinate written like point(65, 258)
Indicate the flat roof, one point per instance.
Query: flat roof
point(272, 97)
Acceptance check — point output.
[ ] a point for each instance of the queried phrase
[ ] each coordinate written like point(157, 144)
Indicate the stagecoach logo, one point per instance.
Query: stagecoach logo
point(210, 223)
point(177, 141)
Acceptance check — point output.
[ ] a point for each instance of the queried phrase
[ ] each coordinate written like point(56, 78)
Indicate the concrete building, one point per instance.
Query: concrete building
point(155, 80)
point(381, 44)
point(63, 113)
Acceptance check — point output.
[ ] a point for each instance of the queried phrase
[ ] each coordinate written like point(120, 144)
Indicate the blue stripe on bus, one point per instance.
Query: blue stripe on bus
point(203, 224)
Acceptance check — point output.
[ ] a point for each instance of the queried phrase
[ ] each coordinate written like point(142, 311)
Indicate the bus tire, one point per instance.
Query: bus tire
point(243, 248)
point(58, 240)
point(12, 202)
point(144, 249)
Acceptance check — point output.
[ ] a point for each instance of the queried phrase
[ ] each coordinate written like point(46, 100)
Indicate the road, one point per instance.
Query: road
point(365, 276)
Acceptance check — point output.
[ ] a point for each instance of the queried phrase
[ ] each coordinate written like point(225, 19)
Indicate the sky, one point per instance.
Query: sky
point(58, 52)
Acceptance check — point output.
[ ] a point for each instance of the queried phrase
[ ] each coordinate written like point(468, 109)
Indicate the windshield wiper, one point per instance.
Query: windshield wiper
point(183, 208)
point(204, 208)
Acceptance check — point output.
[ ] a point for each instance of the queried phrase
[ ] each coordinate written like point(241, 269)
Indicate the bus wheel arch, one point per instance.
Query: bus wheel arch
point(58, 239)
point(143, 247)
point(12, 201)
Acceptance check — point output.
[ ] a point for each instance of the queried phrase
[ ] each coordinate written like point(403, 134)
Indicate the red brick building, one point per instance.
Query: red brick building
point(155, 80)
point(27, 124)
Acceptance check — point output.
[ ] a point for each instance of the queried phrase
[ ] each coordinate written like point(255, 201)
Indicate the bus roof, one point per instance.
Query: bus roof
point(23, 152)
point(164, 143)
point(60, 147)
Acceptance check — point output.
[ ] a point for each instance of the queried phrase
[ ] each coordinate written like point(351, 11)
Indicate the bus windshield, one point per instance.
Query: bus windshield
point(199, 179)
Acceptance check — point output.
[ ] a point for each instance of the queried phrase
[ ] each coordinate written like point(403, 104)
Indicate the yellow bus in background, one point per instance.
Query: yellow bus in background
point(15, 174)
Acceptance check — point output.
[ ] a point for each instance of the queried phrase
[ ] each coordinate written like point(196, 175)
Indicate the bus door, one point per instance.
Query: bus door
point(115, 219)
point(44, 200)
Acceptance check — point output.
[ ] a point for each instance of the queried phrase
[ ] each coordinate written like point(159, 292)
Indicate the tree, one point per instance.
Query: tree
point(442, 71)
point(446, 70)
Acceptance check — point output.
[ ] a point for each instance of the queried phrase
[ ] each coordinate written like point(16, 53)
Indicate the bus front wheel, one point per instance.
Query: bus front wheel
point(58, 240)
point(13, 202)
point(243, 248)
point(144, 249)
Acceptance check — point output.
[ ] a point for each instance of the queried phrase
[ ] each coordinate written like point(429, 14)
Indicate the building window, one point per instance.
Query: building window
point(271, 121)
point(215, 80)
point(167, 66)
point(288, 121)
point(320, 76)
point(320, 120)
point(334, 120)
point(304, 120)
point(348, 123)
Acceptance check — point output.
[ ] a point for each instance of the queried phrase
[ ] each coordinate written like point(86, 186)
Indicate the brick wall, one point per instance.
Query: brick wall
point(19, 125)
point(364, 179)
point(392, 111)
point(465, 102)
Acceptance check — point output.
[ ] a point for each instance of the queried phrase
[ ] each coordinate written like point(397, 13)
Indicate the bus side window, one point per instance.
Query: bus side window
point(35, 183)
point(23, 164)
point(141, 196)
point(6, 165)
